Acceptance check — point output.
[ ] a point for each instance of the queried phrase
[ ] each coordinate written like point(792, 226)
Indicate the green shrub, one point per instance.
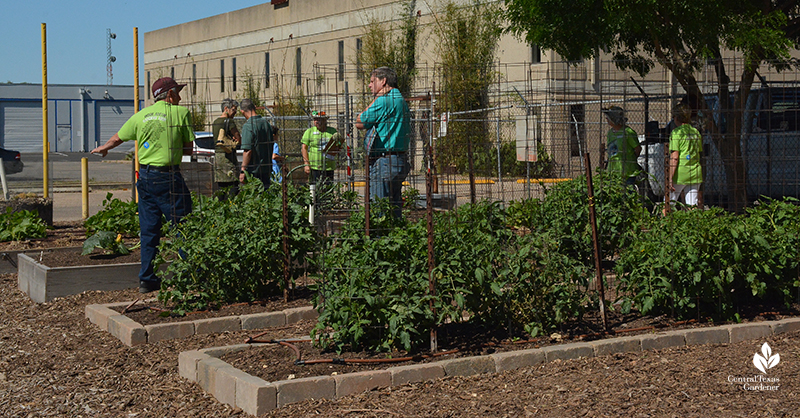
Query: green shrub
point(564, 214)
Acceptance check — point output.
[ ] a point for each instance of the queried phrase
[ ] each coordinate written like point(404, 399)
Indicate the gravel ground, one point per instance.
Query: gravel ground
point(53, 362)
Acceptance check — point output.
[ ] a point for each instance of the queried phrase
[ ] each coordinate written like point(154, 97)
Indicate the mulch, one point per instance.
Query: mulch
point(54, 362)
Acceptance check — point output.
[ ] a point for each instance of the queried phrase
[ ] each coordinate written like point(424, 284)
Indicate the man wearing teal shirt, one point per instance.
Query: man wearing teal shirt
point(389, 116)
point(163, 134)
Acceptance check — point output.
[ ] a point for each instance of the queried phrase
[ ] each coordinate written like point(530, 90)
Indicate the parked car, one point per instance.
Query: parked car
point(12, 163)
point(203, 149)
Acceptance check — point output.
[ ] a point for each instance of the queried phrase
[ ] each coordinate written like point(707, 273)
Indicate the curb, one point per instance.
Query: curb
point(256, 396)
point(132, 333)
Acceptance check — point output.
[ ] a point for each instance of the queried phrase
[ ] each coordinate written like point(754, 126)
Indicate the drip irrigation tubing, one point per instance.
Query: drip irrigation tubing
point(300, 362)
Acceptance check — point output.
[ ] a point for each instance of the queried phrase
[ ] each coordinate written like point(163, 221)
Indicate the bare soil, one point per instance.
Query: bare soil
point(153, 312)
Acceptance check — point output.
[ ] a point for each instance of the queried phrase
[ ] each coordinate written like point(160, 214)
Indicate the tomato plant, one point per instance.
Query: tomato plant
point(231, 251)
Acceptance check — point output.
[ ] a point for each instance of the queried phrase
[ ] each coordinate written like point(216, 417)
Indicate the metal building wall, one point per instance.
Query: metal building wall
point(80, 116)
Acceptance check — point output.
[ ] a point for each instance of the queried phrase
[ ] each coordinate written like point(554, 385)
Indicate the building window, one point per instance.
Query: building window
point(359, 70)
point(222, 76)
point(577, 130)
point(536, 54)
point(341, 60)
point(194, 79)
point(148, 85)
point(234, 74)
point(266, 70)
point(298, 66)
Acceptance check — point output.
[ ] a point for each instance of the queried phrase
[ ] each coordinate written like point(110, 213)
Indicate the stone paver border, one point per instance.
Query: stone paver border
point(256, 396)
point(132, 333)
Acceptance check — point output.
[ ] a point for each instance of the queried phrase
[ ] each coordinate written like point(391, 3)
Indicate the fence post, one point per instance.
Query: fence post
point(366, 193)
point(595, 241)
point(429, 190)
point(287, 260)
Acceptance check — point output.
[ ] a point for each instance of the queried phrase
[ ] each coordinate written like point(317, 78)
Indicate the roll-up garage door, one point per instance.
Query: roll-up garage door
point(22, 126)
point(110, 117)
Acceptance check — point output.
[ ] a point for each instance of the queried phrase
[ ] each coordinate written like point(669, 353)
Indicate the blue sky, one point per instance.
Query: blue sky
point(76, 36)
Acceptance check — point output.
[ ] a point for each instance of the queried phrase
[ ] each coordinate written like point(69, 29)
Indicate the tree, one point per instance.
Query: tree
point(680, 35)
point(382, 47)
point(466, 43)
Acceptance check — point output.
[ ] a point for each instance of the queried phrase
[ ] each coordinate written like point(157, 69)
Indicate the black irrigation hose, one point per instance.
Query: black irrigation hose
point(299, 362)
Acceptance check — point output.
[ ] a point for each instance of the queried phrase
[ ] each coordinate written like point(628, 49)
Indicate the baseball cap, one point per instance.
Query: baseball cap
point(319, 114)
point(165, 83)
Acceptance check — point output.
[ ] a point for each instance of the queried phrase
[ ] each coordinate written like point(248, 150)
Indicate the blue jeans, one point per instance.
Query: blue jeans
point(160, 194)
point(386, 177)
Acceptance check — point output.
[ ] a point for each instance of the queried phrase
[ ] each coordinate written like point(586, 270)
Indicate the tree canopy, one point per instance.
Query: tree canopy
point(680, 35)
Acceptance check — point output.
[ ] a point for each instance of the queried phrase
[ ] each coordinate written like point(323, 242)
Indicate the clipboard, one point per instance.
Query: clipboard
point(334, 143)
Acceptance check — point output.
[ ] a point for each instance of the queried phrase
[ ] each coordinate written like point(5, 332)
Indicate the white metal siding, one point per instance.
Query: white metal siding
point(110, 117)
point(22, 126)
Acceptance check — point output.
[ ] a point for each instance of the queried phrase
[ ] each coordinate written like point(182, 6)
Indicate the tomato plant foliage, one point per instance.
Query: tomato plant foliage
point(712, 262)
point(232, 251)
point(375, 293)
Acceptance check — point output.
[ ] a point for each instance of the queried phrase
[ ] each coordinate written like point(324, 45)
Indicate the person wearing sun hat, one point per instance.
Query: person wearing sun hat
point(622, 145)
point(320, 145)
point(163, 134)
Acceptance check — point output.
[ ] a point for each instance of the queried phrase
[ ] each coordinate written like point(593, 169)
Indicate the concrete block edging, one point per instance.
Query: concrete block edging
point(256, 396)
point(132, 333)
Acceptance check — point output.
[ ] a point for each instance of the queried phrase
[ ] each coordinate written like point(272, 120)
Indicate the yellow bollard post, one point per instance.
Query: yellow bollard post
point(136, 106)
point(45, 140)
point(84, 187)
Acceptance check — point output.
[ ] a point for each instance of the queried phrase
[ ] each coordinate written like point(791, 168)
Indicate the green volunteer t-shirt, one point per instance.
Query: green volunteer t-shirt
point(390, 117)
point(160, 130)
point(316, 142)
point(688, 142)
point(621, 146)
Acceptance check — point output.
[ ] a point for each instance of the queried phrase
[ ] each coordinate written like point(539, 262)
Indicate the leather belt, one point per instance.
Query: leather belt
point(160, 168)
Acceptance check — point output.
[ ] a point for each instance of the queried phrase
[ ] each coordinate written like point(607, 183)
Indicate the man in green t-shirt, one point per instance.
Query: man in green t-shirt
point(319, 154)
point(685, 145)
point(622, 145)
point(257, 144)
point(163, 134)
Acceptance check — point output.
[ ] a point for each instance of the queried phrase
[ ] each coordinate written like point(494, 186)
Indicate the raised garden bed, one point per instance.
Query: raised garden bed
point(43, 282)
point(257, 396)
point(109, 318)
